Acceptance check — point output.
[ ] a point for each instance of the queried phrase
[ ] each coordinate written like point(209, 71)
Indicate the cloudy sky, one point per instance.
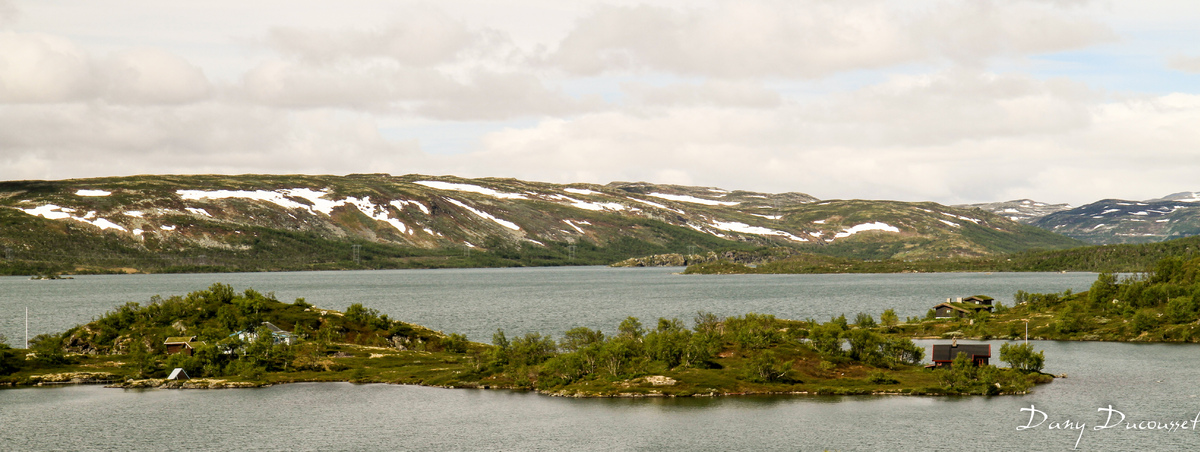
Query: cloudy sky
point(949, 101)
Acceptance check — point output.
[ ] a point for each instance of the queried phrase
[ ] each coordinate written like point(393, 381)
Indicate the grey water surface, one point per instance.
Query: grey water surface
point(1151, 385)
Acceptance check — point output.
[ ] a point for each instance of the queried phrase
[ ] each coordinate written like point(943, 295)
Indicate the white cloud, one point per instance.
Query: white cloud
point(814, 38)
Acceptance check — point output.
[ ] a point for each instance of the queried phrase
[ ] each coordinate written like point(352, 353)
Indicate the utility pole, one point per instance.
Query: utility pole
point(355, 250)
point(1026, 332)
point(27, 328)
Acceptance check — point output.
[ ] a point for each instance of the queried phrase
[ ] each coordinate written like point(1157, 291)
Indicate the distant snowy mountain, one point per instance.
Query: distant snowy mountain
point(1022, 210)
point(1113, 221)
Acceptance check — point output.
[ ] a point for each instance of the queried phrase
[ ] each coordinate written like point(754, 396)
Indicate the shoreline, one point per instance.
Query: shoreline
point(218, 384)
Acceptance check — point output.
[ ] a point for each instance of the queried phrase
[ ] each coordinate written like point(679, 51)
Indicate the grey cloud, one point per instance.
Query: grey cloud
point(9, 14)
point(151, 76)
point(711, 93)
point(951, 106)
point(75, 140)
point(427, 92)
point(491, 95)
point(1185, 63)
point(811, 38)
point(423, 37)
point(40, 68)
point(37, 67)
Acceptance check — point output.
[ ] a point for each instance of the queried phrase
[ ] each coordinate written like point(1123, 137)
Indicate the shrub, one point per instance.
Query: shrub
point(1022, 357)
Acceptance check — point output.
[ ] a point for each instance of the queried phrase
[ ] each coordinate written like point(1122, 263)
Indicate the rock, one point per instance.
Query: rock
point(660, 380)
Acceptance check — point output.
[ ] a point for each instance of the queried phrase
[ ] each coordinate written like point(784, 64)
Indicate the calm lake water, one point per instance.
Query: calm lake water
point(1149, 384)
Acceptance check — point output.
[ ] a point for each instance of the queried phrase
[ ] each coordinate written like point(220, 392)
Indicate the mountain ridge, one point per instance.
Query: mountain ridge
point(273, 222)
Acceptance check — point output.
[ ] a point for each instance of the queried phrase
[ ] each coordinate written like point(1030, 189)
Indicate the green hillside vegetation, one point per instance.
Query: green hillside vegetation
point(1103, 258)
point(928, 231)
point(214, 223)
point(745, 354)
point(736, 355)
point(1159, 306)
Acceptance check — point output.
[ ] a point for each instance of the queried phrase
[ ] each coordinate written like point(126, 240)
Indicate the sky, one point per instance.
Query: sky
point(915, 100)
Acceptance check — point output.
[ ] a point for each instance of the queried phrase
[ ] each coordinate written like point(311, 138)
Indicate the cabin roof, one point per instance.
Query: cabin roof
point(947, 352)
point(969, 308)
point(273, 328)
point(176, 340)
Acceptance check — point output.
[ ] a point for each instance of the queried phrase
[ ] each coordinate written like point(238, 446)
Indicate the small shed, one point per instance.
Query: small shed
point(181, 344)
point(179, 374)
point(944, 354)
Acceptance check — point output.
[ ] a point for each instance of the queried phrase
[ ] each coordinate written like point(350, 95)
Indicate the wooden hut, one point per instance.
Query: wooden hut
point(944, 354)
point(181, 344)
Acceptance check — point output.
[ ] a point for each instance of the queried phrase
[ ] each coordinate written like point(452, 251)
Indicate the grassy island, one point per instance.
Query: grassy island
point(222, 338)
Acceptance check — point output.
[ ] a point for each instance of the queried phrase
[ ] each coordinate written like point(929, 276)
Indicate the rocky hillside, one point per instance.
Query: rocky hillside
point(268, 222)
point(1022, 210)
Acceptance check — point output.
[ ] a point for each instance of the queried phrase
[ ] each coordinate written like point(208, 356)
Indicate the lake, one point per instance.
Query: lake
point(1151, 385)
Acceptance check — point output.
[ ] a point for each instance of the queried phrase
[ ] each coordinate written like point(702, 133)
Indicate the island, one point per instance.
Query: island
point(221, 338)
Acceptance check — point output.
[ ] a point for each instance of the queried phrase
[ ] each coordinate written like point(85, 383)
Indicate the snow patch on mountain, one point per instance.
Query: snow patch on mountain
point(734, 226)
point(581, 191)
point(876, 226)
point(54, 212)
point(692, 199)
point(482, 214)
point(469, 188)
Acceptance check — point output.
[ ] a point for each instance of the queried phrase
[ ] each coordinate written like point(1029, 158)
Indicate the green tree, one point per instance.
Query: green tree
point(864, 345)
point(707, 323)
point(1144, 320)
point(1022, 357)
point(140, 359)
point(900, 350)
point(10, 361)
point(889, 319)
point(864, 320)
point(455, 343)
point(1104, 290)
point(500, 351)
point(531, 349)
point(616, 356)
point(49, 349)
point(631, 328)
point(826, 338)
point(767, 367)
point(579, 338)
